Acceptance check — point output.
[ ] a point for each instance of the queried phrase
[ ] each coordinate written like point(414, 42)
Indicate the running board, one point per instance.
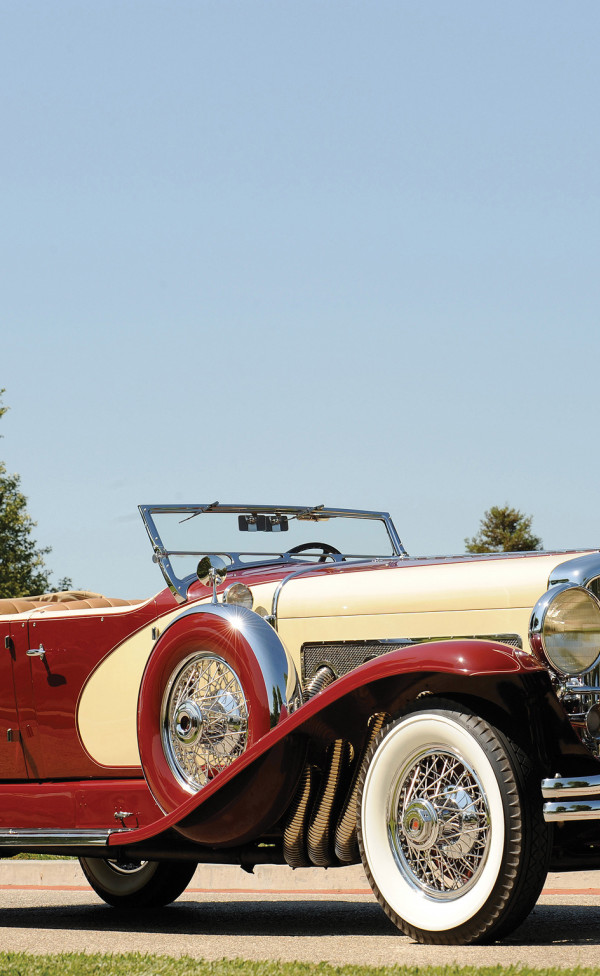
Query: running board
point(46, 839)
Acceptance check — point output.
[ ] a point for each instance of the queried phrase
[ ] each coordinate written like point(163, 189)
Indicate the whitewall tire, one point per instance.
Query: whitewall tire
point(449, 832)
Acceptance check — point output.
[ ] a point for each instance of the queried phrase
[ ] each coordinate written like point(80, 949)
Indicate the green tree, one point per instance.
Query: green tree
point(504, 530)
point(22, 569)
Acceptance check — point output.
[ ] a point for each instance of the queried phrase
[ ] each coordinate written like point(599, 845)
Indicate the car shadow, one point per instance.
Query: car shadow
point(558, 925)
point(548, 925)
point(189, 917)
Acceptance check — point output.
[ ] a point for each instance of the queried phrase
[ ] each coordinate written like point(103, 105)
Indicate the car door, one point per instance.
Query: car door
point(65, 648)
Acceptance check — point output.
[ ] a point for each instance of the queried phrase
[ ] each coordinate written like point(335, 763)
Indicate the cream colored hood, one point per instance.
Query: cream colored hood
point(416, 599)
point(414, 586)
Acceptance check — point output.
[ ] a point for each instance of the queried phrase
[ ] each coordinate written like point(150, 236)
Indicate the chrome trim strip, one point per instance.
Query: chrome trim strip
point(319, 511)
point(395, 539)
point(572, 811)
point(160, 554)
point(570, 786)
point(43, 837)
point(309, 569)
point(279, 587)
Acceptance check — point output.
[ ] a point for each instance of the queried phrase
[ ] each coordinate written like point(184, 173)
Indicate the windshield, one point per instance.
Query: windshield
point(253, 535)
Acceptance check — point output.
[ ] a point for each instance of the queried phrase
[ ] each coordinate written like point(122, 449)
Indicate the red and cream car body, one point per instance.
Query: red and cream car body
point(314, 704)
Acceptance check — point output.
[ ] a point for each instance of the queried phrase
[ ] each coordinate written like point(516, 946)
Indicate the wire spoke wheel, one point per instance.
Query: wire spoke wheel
point(204, 719)
point(439, 823)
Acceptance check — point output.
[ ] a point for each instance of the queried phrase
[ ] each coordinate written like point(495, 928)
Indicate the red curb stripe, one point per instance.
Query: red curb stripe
point(207, 891)
point(25, 887)
point(281, 891)
point(271, 891)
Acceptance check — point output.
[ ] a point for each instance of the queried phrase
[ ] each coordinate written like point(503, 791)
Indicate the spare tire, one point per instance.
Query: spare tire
point(217, 681)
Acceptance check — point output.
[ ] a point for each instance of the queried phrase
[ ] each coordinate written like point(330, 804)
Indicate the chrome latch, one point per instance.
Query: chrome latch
point(122, 815)
point(36, 651)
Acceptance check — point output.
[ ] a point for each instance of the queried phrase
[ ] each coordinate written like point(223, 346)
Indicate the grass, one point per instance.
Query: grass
point(135, 964)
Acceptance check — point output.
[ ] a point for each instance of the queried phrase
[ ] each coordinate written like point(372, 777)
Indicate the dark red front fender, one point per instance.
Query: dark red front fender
point(492, 678)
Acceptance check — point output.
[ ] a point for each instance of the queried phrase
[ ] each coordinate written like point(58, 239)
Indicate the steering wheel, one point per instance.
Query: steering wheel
point(325, 548)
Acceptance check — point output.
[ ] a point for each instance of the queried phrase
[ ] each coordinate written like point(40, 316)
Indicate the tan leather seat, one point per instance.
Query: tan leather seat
point(18, 605)
point(67, 600)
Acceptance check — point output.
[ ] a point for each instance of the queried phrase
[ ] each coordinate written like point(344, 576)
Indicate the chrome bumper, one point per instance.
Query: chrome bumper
point(571, 798)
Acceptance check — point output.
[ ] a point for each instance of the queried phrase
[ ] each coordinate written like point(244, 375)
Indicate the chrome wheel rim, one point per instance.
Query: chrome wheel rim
point(127, 867)
point(438, 823)
point(204, 719)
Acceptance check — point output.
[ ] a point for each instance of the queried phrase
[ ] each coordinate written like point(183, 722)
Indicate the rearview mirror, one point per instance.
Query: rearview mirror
point(263, 523)
point(210, 569)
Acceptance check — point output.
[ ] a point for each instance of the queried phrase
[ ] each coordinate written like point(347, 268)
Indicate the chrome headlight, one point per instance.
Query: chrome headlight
point(239, 595)
point(565, 626)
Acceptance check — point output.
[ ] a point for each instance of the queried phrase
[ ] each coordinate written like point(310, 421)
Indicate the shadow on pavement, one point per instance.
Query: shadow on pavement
point(548, 925)
point(559, 925)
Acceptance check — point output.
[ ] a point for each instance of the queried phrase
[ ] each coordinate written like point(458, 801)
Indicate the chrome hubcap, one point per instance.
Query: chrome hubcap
point(439, 826)
point(204, 720)
point(188, 722)
point(420, 824)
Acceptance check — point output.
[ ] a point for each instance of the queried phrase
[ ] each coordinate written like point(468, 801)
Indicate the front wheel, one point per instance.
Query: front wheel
point(139, 884)
point(450, 827)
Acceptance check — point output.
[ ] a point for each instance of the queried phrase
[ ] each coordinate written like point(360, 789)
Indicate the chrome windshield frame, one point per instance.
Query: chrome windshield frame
point(179, 587)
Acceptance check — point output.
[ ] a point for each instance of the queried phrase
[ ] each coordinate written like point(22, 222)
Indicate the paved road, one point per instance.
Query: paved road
point(261, 917)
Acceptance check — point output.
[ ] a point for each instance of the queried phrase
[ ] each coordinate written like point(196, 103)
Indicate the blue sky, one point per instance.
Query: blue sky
point(304, 253)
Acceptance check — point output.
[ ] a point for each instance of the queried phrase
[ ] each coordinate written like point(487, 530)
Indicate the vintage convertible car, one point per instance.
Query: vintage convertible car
point(302, 692)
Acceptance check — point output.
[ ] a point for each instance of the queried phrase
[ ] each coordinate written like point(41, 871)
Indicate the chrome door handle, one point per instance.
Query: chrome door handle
point(36, 651)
